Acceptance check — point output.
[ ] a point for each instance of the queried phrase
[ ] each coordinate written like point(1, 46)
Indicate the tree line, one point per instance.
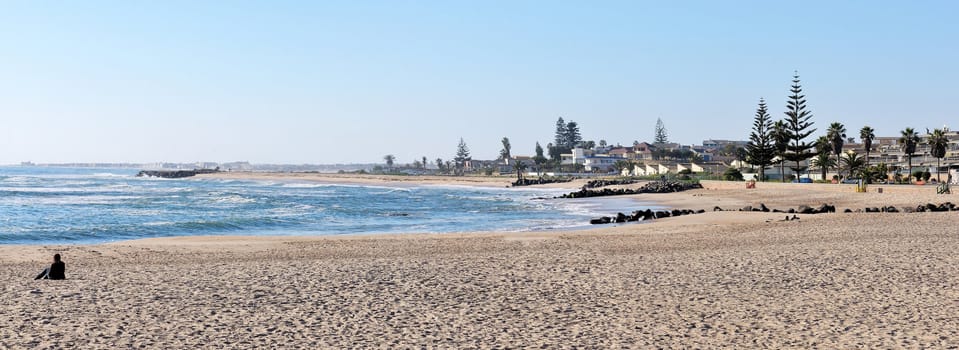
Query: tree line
point(786, 140)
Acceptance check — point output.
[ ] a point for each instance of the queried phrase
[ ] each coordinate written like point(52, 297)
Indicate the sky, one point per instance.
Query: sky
point(351, 81)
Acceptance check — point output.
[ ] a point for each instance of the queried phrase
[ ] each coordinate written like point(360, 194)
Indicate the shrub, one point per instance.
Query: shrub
point(732, 174)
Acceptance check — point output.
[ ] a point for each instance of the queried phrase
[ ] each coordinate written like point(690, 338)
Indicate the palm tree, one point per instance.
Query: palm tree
point(867, 134)
point(937, 145)
point(824, 162)
point(781, 141)
point(520, 169)
point(836, 134)
point(621, 164)
point(853, 162)
point(389, 158)
point(823, 147)
point(908, 142)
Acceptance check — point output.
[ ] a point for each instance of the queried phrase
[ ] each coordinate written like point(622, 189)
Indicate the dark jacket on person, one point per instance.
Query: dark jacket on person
point(57, 271)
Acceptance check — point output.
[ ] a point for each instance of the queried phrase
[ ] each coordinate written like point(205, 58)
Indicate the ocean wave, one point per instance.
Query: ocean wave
point(95, 207)
point(304, 185)
point(111, 175)
point(234, 199)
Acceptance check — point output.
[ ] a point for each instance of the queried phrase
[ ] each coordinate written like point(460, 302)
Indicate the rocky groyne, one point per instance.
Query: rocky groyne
point(648, 214)
point(827, 208)
point(650, 187)
point(175, 174)
point(541, 181)
point(604, 183)
point(643, 215)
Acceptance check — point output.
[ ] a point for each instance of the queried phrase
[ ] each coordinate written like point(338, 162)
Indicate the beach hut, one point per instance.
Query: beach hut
point(639, 170)
point(650, 170)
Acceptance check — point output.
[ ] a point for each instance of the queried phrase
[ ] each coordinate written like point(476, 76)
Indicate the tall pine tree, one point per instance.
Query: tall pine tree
point(572, 137)
point(761, 148)
point(798, 127)
point(661, 136)
point(780, 144)
point(560, 138)
point(462, 156)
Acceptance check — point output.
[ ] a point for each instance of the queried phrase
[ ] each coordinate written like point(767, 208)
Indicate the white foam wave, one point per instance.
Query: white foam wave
point(110, 175)
point(304, 185)
point(235, 199)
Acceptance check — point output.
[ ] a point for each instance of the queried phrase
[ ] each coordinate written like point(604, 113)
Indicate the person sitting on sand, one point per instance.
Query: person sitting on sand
point(55, 271)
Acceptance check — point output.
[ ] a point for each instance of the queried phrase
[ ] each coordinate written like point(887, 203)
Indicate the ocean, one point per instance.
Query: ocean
point(45, 205)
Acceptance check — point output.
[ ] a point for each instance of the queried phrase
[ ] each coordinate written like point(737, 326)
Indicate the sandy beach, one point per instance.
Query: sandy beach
point(715, 280)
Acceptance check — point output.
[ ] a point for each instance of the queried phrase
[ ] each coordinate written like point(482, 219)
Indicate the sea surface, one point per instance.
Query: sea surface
point(44, 205)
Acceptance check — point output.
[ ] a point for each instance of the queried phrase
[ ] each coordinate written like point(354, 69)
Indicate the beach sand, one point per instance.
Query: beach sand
point(713, 280)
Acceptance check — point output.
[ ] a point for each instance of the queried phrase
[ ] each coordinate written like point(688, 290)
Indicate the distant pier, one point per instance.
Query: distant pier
point(175, 174)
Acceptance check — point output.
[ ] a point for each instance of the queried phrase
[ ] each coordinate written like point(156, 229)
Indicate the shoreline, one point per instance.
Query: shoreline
point(719, 279)
point(725, 279)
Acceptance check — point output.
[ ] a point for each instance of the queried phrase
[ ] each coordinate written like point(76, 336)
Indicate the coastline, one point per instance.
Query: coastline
point(718, 279)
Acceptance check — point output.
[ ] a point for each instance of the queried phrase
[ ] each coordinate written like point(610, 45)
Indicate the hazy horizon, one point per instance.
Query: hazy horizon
point(348, 82)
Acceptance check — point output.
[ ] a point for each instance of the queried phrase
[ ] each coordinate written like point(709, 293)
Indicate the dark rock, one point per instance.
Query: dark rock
point(175, 174)
point(620, 217)
point(847, 210)
point(891, 209)
point(763, 208)
point(648, 215)
point(649, 187)
point(791, 211)
point(700, 211)
point(777, 211)
point(541, 181)
point(596, 221)
point(825, 208)
point(717, 208)
point(805, 209)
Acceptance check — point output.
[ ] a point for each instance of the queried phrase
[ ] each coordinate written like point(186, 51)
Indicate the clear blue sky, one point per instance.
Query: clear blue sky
point(350, 81)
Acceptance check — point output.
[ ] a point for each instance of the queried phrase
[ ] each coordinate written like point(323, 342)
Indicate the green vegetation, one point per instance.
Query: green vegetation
point(781, 144)
point(732, 174)
point(937, 145)
point(566, 138)
point(798, 127)
point(505, 152)
point(823, 161)
point(761, 148)
point(661, 136)
point(908, 141)
point(836, 133)
point(462, 156)
point(853, 163)
point(867, 134)
point(389, 158)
